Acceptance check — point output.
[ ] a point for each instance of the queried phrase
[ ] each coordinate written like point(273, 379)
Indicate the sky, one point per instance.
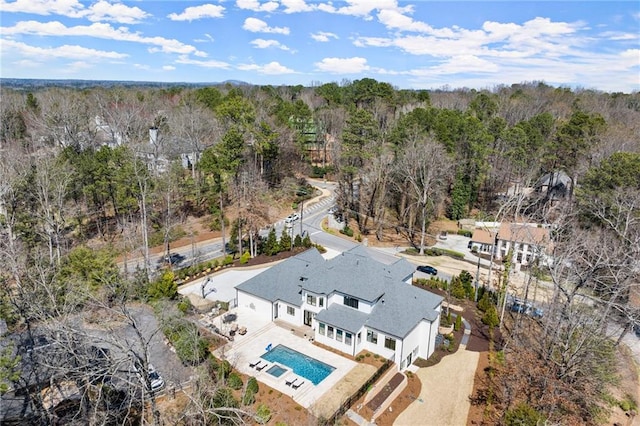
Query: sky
point(412, 45)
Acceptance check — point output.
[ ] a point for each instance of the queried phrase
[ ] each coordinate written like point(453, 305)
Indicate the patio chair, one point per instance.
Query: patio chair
point(290, 382)
point(253, 364)
point(262, 367)
point(242, 330)
point(297, 385)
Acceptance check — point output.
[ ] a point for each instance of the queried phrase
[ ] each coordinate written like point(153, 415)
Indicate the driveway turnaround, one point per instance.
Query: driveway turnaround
point(444, 397)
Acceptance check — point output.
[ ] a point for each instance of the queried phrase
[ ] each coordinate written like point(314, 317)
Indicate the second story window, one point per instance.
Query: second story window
point(350, 301)
point(311, 300)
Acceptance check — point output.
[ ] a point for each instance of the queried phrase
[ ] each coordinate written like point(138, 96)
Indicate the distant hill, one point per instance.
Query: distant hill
point(31, 84)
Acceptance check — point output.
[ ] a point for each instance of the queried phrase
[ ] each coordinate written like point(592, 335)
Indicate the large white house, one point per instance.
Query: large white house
point(350, 303)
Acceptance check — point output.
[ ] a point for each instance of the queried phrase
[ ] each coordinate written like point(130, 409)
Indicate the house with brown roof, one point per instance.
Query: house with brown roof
point(527, 240)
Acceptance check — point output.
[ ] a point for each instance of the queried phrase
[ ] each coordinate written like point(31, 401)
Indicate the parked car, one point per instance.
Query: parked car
point(427, 269)
point(171, 258)
point(291, 218)
point(520, 307)
point(156, 382)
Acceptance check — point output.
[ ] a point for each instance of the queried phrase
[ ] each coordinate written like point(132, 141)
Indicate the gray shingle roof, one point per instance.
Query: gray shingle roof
point(282, 281)
point(343, 317)
point(399, 306)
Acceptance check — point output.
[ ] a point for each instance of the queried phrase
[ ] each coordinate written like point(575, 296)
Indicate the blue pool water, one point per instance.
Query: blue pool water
point(276, 370)
point(304, 366)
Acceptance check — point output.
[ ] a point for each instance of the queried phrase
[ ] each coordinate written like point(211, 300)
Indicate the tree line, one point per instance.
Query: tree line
point(122, 168)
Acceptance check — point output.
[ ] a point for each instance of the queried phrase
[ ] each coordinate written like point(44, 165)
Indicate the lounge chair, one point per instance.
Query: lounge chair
point(262, 367)
point(253, 364)
point(297, 385)
point(290, 382)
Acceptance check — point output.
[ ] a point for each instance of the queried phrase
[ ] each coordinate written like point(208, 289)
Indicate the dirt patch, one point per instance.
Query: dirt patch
point(476, 412)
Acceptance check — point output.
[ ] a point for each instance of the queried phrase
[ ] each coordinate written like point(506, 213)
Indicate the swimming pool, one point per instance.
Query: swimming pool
point(310, 368)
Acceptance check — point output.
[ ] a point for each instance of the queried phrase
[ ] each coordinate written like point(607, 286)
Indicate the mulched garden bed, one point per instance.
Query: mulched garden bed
point(384, 393)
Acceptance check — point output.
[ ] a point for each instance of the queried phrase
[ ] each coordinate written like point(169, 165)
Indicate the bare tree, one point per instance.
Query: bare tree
point(423, 170)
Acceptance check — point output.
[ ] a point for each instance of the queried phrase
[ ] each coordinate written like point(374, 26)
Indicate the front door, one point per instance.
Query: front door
point(308, 317)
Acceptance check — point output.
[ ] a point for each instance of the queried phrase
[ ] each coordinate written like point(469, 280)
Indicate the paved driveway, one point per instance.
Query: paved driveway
point(444, 397)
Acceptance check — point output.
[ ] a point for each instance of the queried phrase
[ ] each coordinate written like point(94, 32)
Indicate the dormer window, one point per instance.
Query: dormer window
point(351, 301)
point(311, 300)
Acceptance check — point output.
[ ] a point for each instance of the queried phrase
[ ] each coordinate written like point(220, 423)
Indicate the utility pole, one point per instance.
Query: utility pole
point(477, 280)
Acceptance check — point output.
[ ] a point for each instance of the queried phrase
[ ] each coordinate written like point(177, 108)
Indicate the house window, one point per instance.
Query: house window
point(359, 338)
point(390, 343)
point(290, 310)
point(311, 300)
point(330, 332)
point(372, 337)
point(321, 302)
point(339, 335)
point(350, 301)
point(321, 328)
point(347, 338)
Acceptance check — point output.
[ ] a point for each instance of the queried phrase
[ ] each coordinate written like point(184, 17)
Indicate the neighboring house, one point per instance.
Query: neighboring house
point(554, 186)
point(350, 303)
point(527, 240)
point(482, 241)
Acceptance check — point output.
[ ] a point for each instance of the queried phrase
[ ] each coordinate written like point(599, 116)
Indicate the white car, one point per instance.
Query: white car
point(291, 218)
point(156, 382)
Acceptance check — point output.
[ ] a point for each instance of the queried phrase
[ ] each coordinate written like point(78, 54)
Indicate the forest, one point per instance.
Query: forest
point(87, 174)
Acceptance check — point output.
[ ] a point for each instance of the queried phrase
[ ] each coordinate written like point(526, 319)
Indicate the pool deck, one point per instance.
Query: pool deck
point(323, 399)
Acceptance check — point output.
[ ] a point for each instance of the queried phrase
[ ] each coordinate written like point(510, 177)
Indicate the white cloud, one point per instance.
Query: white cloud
point(260, 43)
point(272, 68)
point(65, 51)
point(70, 8)
point(296, 6)
point(102, 31)
point(99, 11)
point(116, 12)
point(207, 39)
point(363, 8)
point(256, 6)
point(342, 65)
point(323, 36)
point(258, 26)
point(184, 59)
point(393, 19)
point(168, 67)
point(198, 12)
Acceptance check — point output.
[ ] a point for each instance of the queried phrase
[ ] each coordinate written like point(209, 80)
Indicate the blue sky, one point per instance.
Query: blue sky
point(412, 44)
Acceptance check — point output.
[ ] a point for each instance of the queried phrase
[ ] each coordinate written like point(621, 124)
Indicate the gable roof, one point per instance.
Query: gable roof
point(483, 236)
point(398, 308)
point(282, 281)
point(524, 233)
point(355, 273)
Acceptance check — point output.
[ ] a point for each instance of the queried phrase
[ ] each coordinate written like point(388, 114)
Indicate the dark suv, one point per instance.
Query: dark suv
point(427, 269)
point(173, 258)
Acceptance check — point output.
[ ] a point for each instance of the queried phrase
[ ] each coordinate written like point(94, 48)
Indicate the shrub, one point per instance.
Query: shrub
point(347, 231)
point(245, 258)
point(263, 414)
point(165, 287)
point(465, 233)
point(234, 381)
point(228, 260)
point(490, 317)
point(458, 324)
point(184, 305)
point(523, 415)
point(359, 238)
point(252, 384)
point(250, 392)
point(224, 369)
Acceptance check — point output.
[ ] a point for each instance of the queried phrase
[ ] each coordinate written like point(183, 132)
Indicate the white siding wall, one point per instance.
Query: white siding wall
point(333, 342)
point(363, 306)
point(283, 314)
point(262, 307)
